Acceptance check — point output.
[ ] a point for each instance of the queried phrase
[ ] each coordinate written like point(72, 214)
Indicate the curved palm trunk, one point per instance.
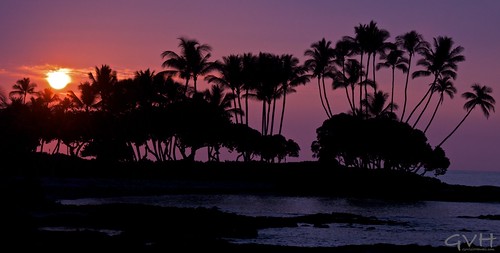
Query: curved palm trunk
point(454, 130)
point(422, 100)
point(326, 97)
point(374, 70)
point(434, 113)
point(392, 92)
point(348, 98)
point(187, 86)
point(246, 107)
point(282, 112)
point(238, 95)
point(423, 110)
point(272, 117)
point(366, 83)
point(267, 117)
point(321, 97)
point(138, 151)
point(406, 88)
point(353, 103)
point(360, 83)
point(235, 106)
point(263, 117)
point(194, 84)
point(346, 90)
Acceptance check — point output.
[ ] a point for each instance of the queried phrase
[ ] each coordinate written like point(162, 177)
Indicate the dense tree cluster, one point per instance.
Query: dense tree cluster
point(372, 135)
point(380, 143)
point(148, 117)
point(153, 116)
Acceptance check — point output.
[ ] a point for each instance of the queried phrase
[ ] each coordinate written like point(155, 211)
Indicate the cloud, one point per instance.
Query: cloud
point(79, 74)
point(38, 74)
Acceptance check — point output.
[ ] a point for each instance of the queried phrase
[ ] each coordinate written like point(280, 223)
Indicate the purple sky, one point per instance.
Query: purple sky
point(37, 36)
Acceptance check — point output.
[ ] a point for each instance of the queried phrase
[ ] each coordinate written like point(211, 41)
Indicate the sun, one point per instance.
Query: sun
point(58, 79)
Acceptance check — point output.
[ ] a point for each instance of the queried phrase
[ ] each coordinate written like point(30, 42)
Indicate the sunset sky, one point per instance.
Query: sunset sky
point(38, 36)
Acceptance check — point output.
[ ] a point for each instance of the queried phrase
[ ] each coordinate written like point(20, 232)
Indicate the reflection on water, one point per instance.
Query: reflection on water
point(110, 232)
point(429, 222)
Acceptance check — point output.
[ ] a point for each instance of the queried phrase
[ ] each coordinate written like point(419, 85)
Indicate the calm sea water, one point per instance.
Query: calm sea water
point(428, 222)
point(472, 178)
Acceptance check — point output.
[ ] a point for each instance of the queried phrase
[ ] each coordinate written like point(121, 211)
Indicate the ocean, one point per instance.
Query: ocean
point(425, 222)
point(472, 178)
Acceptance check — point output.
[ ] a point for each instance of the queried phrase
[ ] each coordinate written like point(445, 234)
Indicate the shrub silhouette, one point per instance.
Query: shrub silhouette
point(376, 143)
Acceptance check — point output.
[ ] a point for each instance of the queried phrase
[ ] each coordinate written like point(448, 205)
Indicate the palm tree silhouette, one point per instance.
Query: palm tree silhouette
point(231, 76)
point(191, 63)
point(440, 62)
point(349, 78)
point(443, 86)
point(144, 86)
point(220, 102)
point(47, 96)
point(320, 63)
point(371, 40)
point(249, 73)
point(393, 60)
point(360, 47)
point(3, 101)
point(376, 43)
point(377, 108)
point(103, 82)
point(267, 87)
point(480, 96)
point(292, 75)
point(22, 88)
point(343, 49)
point(87, 98)
point(412, 42)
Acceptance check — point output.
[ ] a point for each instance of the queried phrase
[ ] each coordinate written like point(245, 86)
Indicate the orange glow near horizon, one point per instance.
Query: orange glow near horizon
point(58, 79)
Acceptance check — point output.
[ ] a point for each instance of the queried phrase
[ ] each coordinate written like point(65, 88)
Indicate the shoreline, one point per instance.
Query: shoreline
point(144, 228)
point(68, 177)
point(29, 195)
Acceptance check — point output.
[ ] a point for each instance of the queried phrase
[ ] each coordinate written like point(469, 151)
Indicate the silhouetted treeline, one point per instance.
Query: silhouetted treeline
point(148, 117)
point(153, 116)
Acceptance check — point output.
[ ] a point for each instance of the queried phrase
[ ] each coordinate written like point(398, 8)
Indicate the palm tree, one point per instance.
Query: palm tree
point(231, 76)
point(217, 98)
point(371, 40)
point(221, 102)
point(376, 44)
point(393, 60)
point(292, 75)
point(249, 73)
point(361, 44)
point(412, 42)
point(320, 63)
point(145, 88)
point(191, 63)
point(87, 98)
point(376, 105)
point(47, 96)
point(103, 82)
point(22, 88)
point(480, 96)
point(443, 86)
point(267, 86)
point(349, 78)
point(343, 49)
point(3, 101)
point(439, 62)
